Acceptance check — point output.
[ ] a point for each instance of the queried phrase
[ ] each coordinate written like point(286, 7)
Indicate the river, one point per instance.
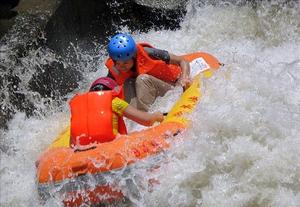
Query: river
point(243, 148)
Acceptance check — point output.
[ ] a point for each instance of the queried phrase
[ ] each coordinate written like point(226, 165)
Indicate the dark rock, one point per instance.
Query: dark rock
point(54, 80)
point(5, 8)
point(84, 22)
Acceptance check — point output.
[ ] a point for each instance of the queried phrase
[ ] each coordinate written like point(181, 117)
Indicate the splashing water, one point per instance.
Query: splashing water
point(243, 148)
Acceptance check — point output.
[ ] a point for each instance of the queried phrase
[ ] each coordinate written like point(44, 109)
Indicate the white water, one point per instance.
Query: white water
point(244, 146)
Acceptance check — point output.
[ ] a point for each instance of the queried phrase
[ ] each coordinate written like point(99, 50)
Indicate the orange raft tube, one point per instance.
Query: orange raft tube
point(60, 166)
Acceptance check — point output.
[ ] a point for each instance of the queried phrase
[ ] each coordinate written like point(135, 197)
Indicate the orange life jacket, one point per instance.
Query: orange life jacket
point(91, 118)
point(145, 64)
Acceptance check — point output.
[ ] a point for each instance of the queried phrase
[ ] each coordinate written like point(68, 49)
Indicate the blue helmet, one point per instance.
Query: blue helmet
point(121, 47)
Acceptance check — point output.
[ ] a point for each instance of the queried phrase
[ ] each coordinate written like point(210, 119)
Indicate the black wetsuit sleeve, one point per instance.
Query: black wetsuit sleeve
point(109, 75)
point(158, 54)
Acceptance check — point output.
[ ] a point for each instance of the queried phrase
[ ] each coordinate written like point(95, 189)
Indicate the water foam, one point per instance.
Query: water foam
point(243, 147)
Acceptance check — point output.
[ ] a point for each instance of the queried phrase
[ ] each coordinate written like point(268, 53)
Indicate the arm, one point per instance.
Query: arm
point(184, 79)
point(141, 117)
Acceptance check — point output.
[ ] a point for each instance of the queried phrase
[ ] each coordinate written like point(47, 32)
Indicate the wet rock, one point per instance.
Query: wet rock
point(84, 22)
point(13, 100)
point(54, 80)
point(6, 7)
point(22, 36)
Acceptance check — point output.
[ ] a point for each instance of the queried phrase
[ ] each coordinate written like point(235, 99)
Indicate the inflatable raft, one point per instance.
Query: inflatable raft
point(66, 171)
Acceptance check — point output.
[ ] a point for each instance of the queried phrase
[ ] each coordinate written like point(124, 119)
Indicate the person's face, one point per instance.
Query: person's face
point(124, 65)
